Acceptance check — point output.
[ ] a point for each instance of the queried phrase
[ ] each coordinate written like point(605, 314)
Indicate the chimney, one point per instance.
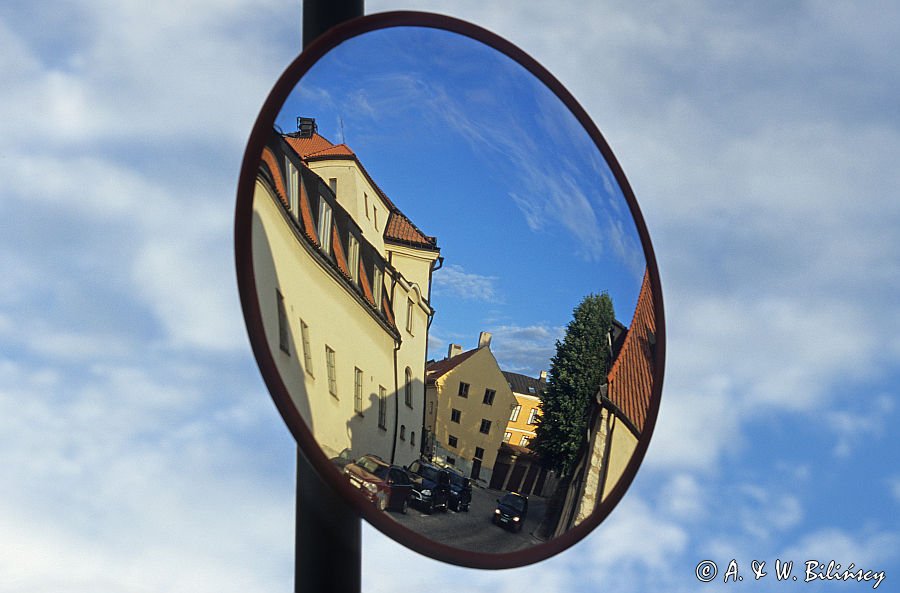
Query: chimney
point(543, 376)
point(453, 350)
point(484, 340)
point(307, 127)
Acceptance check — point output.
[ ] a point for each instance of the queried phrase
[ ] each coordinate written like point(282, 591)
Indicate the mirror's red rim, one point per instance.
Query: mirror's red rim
point(253, 319)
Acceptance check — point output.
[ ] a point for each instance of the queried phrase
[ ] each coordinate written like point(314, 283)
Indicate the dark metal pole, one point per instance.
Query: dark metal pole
point(321, 15)
point(328, 556)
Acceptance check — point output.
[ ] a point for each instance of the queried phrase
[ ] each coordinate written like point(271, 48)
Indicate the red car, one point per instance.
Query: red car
point(384, 485)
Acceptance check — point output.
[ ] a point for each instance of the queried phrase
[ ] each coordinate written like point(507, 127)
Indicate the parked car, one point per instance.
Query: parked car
point(431, 486)
point(460, 492)
point(384, 485)
point(512, 508)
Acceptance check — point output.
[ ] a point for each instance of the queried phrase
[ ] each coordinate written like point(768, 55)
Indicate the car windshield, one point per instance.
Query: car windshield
point(511, 500)
point(429, 473)
point(373, 467)
point(457, 480)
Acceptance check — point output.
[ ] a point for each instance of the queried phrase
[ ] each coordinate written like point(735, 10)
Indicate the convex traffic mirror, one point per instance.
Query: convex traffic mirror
point(449, 289)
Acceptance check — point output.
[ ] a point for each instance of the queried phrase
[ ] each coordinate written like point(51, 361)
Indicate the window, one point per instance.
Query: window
point(283, 330)
point(451, 440)
point(382, 407)
point(485, 426)
point(324, 225)
point(377, 285)
point(409, 316)
point(532, 415)
point(412, 438)
point(463, 389)
point(455, 415)
point(450, 461)
point(366, 202)
point(332, 183)
point(402, 432)
point(489, 397)
point(332, 374)
point(307, 350)
point(358, 391)
point(530, 389)
point(353, 261)
point(293, 189)
point(515, 413)
point(524, 441)
point(479, 453)
point(407, 390)
point(375, 216)
point(507, 436)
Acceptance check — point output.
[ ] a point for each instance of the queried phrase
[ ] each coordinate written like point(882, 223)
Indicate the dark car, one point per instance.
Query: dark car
point(384, 485)
point(511, 511)
point(431, 486)
point(460, 492)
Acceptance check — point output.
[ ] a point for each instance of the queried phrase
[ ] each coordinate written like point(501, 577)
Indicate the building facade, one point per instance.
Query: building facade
point(469, 403)
point(343, 280)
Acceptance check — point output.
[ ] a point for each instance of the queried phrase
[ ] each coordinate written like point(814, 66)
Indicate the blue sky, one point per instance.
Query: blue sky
point(139, 448)
point(478, 152)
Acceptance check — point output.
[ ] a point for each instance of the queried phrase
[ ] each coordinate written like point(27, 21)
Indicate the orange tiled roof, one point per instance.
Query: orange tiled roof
point(399, 228)
point(316, 146)
point(631, 376)
point(436, 370)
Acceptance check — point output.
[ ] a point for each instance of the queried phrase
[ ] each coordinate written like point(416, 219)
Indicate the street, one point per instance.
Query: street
point(473, 530)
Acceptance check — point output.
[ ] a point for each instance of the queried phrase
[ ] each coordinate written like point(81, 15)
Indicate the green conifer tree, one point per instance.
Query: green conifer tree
point(576, 372)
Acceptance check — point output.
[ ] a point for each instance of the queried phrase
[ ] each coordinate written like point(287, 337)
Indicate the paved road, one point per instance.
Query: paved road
point(473, 530)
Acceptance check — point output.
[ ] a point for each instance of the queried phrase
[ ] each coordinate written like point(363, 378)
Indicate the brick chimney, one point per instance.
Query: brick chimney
point(453, 350)
point(484, 340)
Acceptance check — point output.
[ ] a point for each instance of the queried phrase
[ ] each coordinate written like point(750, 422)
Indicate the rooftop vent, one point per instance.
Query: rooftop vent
point(307, 126)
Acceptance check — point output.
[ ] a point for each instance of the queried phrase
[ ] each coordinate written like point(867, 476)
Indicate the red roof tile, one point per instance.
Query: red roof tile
point(436, 370)
point(268, 158)
point(631, 376)
point(399, 228)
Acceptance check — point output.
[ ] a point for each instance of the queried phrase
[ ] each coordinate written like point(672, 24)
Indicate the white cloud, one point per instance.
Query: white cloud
point(853, 427)
point(454, 281)
point(525, 349)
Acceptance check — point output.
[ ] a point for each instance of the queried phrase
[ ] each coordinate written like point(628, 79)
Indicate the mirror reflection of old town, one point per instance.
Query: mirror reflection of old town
point(450, 443)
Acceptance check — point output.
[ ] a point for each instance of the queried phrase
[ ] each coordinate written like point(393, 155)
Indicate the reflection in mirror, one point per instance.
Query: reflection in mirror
point(453, 289)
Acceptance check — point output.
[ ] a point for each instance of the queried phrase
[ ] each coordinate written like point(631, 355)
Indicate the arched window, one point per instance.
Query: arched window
point(402, 432)
point(408, 389)
point(412, 438)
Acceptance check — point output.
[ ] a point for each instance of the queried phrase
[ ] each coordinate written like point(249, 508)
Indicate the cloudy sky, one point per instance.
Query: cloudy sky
point(138, 447)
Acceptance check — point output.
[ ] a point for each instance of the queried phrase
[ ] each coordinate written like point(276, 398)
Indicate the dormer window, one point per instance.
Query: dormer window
point(324, 225)
point(293, 186)
point(377, 284)
point(353, 261)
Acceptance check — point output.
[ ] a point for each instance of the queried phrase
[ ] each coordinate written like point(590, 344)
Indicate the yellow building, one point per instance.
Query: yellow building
point(468, 405)
point(343, 280)
point(523, 419)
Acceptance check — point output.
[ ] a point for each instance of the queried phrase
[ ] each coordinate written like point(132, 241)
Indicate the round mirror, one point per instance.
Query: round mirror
point(449, 289)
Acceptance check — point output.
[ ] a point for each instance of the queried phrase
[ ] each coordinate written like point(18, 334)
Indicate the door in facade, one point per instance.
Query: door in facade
point(476, 468)
point(530, 477)
point(499, 475)
point(515, 477)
